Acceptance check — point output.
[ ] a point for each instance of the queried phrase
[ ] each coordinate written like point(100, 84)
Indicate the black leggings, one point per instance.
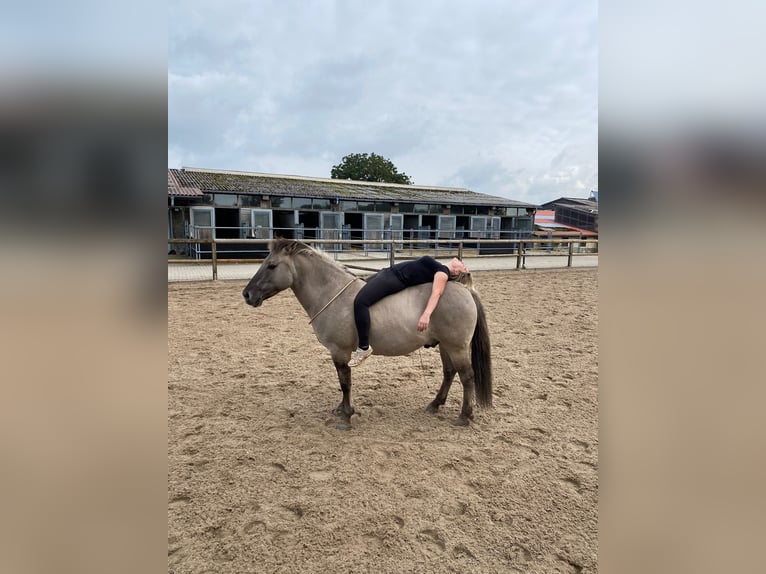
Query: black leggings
point(378, 286)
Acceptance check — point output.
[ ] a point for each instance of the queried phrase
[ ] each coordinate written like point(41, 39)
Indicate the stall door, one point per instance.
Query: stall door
point(262, 225)
point(244, 222)
point(447, 226)
point(331, 225)
point(201, 226)
point(478, 227)
point(373, 230)
point(494, 227)
point(397, 225)
point(202, 222)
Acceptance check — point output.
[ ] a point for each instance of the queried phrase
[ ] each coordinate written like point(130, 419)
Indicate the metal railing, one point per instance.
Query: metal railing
point(341, 240)
point(520, 248)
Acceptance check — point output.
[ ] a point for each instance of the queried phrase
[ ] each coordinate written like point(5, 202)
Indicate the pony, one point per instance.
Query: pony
point(326, 290)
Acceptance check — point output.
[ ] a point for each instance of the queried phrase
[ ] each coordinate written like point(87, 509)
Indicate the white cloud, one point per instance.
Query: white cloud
point(485, 94)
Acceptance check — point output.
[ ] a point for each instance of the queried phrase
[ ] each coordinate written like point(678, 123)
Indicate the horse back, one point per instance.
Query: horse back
point(394, 320)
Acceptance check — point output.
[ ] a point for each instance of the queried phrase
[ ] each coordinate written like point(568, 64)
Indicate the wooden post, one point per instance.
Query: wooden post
point(460, 251)
point(569, 257)
point(391, 252)
point(214, 257)
point(519, 249)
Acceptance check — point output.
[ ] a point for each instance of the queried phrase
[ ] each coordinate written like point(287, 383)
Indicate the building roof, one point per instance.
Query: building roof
point(545, 219)
point(175, 188)
point(221, 181)
point(576, 203)
point(544, 216)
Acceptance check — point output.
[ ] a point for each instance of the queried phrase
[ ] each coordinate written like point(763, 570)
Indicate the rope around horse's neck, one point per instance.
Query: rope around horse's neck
point(338, 294)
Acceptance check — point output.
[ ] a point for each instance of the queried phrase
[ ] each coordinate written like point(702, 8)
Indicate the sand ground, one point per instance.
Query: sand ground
point(260, 479)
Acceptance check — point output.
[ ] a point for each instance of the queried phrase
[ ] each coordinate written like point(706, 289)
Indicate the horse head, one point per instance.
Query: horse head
point(277, 273)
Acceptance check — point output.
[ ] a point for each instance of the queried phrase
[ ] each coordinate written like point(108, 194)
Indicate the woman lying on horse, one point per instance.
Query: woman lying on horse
point(394, 279)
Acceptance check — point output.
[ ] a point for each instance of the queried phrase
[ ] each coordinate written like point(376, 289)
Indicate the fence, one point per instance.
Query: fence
point(369, 240)
point(520, 248)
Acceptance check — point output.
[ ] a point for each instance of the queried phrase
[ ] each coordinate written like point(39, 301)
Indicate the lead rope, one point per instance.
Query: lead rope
point(333, 299)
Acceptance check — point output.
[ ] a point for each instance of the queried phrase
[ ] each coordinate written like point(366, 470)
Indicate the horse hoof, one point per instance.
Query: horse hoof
point(462, 421)
point(339, 412)
point(433, 409)
point(343, 426)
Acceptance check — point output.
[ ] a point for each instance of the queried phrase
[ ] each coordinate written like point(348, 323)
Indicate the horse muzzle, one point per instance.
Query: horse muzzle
point(253, 300)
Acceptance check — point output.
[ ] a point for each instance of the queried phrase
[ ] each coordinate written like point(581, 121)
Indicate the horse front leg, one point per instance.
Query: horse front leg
point(344, 409)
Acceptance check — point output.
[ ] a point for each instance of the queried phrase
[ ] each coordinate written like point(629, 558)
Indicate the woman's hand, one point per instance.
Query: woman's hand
point(423, 322)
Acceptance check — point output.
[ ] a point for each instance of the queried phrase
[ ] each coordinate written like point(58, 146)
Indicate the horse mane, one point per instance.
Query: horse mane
point(295, 247)
point(288, 246)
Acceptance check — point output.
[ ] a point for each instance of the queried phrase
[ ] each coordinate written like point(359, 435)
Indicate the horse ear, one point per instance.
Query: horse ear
point(276, 244)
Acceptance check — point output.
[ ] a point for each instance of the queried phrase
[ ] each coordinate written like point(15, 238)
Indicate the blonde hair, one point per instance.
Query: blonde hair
point(465, 279)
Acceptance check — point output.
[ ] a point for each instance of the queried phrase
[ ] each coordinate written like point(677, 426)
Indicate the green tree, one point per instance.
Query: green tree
point(368, 167)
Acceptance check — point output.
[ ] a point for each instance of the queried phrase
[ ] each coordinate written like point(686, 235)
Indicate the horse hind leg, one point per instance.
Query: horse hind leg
point(464, 369)
point(449, 372)
point(469, 392)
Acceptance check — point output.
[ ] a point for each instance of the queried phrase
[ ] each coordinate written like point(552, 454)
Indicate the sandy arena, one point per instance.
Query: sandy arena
point(260, 480)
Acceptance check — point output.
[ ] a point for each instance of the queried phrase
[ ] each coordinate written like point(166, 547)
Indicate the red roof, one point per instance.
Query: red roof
point(569, 233)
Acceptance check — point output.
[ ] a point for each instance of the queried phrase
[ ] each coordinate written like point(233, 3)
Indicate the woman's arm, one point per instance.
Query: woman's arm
point(440, 283)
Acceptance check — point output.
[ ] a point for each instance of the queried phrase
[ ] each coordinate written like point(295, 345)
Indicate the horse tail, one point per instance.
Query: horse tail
point(481, 359)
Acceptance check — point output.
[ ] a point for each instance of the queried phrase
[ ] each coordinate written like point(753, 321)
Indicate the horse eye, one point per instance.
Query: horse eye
point(272, 265)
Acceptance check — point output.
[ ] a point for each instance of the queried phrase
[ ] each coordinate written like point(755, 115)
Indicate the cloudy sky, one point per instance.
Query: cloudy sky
point(499, 96)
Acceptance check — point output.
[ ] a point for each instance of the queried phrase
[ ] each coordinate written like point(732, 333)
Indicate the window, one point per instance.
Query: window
point(348, 206)
point(380, 206)
point(366, 206)
point(406, 208)
point(280, 202)
point(421, 208)
point(225, 199)
point(301, 203)
point(250, 200)
point(321, 203)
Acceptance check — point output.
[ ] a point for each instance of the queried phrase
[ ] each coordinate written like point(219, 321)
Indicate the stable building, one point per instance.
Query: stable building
point(205, 203)
point(575, 211)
